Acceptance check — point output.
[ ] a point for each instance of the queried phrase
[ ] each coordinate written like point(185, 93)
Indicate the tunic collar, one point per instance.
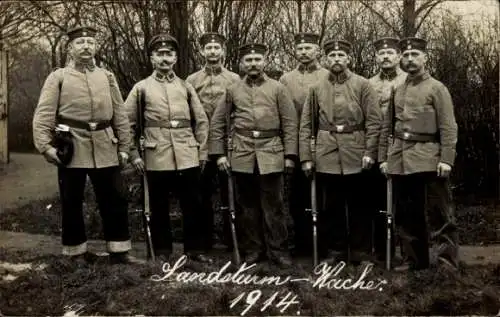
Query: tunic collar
point(213, 70)
point(82, 67)
point(162, 78)
point(339, 78)
point(255, 81)
point(389, 74)
point(308, 68)
point(417, 78)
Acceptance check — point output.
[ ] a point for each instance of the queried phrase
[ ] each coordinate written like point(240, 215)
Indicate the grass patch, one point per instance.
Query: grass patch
point(101, 289)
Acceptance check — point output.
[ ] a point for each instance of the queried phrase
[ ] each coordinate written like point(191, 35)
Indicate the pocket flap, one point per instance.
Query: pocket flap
point(150, 145)
point(278, 148)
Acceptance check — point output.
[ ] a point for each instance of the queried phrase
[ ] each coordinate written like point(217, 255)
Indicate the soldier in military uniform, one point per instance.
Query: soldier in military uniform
point(389, 76)
point(264, 145)
point(298, 82)
point(210, 84)
point(176, 133)
point(348, 121)
point(422, 139)
point(87, 99)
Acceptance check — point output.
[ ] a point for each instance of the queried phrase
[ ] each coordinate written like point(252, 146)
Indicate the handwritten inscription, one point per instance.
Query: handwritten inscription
point(253, 296)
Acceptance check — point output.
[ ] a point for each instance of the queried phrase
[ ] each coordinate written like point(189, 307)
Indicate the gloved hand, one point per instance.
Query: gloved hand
point(367, 162)
point(307, 168)
point(223, 164)
point(383, 168)
point(289, 166)
point(138, 164)
point(122, 159)
point(51, 156)
point(443, 169)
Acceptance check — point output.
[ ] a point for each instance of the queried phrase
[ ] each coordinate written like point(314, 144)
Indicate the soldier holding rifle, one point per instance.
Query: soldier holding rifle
point(298, 82)
point(348, 118)
point(419, 161)
point(85, 101)
point(264, 145)
point(176, 133)
point(390, 76)
point(210, 84)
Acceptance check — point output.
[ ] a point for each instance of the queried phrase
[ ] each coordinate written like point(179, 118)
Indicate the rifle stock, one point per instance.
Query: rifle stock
point(230, 185)
point(145, 210)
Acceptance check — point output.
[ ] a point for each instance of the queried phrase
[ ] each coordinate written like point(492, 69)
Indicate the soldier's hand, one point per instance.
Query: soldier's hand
point(122, 158)
point(203, 164)
point(51, 156)
point(138, 164)
point(223, 164)
point(289, 166)
point(307, 167)
point(443, 169)
point(367, 162)
point(383, 168)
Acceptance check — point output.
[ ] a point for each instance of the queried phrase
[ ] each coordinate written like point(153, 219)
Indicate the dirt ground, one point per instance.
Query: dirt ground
point(27, 177)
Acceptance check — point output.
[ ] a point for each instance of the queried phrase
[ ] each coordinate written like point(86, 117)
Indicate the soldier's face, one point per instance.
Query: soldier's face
point(413, 61)
point(82, 48)
point(387, 58)
point(306, 52)
point(164, 60)
point(213, 52)
point(337, 61)
point(253, 64)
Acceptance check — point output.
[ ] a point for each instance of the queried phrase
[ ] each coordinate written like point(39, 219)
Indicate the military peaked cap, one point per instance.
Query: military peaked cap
point(162, 40)
point(252, 48)
point(413, 43)
point(386, 42)
point(81, 31)
point(337, 45)
point(212, 37)
point(311, 38)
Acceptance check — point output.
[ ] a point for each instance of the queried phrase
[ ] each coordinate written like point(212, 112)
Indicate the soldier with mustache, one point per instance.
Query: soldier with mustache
point(87, 100)
point(176, 134)
point(390, 75)
point(419, 159)
point(298, 82)
point(264, 146)
point(210, 84)
point(348, 120)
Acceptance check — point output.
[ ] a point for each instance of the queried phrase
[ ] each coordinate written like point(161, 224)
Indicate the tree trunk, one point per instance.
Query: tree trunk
point(299, 14)
point(179, 27)
point(409, 18)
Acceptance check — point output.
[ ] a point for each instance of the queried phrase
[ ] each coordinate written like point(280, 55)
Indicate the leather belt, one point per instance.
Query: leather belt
point(89, 126)
point(341, 128)
point(416, 137)
point(171, 124)
point(258, 134)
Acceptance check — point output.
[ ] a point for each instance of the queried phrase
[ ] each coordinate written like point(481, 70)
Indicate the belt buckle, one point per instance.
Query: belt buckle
point(92, 126)
point(340, 128)
point(174, 123)
point(256, 134)
point(406, 135)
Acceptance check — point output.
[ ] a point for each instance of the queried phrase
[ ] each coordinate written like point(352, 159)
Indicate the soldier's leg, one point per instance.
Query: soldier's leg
point(250, 222)
point(441, 222)
point(274, 217)
point(411, 219)
point(113, 208)
point(188, 191)
point(160, 184)
point(360, 216)
point(331, 218)
point(207, 189)
point(224, 210)
point(71, 186)
point(299, 200)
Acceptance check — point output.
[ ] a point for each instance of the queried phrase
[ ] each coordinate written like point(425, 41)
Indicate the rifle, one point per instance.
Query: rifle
point(230, 184)
point(314, 208)
point(389, 212)
point(145, 210)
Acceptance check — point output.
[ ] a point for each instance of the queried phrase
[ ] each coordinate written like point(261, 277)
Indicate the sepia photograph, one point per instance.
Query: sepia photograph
point(249, 158)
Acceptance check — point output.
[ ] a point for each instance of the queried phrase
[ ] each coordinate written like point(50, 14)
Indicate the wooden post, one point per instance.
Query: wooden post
point(4, 108)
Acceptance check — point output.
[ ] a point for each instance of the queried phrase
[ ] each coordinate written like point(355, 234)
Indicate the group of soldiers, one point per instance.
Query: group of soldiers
point(398, 125)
